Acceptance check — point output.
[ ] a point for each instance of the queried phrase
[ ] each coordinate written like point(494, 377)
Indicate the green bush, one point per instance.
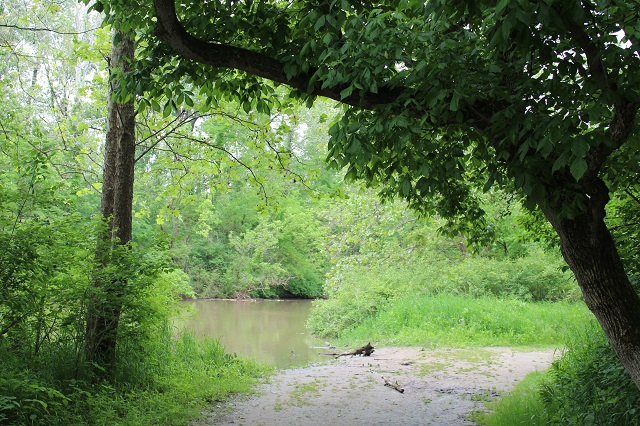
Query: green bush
point(363, 285)
point(536, 277)
point(358, 290)
point(589, 385)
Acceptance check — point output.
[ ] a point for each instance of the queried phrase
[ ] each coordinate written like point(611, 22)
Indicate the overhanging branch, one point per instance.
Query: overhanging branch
point(170, 30)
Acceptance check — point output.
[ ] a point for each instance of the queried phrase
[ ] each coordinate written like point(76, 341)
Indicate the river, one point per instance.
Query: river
point(271, 332)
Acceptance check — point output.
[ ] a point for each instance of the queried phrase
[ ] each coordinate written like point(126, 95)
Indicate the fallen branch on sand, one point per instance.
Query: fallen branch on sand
point(366, 350)
point(395, 385)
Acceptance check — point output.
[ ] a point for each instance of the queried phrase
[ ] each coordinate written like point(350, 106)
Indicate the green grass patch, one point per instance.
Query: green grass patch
point(460, 321)
point(171, 385)
point(521, 407)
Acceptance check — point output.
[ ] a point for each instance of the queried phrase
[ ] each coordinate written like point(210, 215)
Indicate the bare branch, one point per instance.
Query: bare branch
point(50, 30)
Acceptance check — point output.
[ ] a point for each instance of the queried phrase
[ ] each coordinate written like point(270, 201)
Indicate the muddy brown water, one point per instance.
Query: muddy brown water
point(271, 332)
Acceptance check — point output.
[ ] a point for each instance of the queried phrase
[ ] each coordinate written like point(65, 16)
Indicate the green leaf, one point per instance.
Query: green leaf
point(167, 109)
point(455, 100)
point(405, 188)
point(502, 4)
point(578, 168)
point(346, 92)
point(560, 162)
point(319, 23)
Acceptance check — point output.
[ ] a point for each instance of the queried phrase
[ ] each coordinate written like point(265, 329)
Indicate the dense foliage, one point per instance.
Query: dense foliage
point(169, 383)
point(445, 99)
point(52, 124)
point(232, 201)
point(393, 274)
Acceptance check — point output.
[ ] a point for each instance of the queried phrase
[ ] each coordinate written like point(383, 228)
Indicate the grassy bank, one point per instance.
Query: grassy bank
point(457, 321)
point(171, 385)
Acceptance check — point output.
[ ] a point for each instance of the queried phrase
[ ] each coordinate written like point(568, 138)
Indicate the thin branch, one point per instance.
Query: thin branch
point(301, 178)
point(35, 29)
point(165, 135)
point(632, 195)
point(231, 155)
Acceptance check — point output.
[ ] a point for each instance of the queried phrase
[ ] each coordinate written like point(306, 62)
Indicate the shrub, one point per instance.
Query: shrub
point(589, 385)
point(457, 320)
point(537, 277)
point(171, 384)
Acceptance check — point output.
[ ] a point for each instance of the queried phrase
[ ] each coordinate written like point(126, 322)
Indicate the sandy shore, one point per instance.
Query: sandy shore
point(441, 387)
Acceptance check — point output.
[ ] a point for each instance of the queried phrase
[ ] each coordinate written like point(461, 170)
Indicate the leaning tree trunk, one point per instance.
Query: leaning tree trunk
point(105, 305)
point(589, 250)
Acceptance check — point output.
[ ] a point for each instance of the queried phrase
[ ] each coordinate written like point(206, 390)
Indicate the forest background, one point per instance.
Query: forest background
point(234, 202)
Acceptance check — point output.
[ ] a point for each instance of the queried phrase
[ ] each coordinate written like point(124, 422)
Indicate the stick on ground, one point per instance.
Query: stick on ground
point(395, 385)
point(366, 350)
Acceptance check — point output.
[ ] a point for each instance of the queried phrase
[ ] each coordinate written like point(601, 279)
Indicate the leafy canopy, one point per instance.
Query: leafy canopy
point(443, 99)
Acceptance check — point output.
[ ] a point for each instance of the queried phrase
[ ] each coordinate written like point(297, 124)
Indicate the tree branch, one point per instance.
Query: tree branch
point(592, 53)
point(49, 30)
point(170, 30)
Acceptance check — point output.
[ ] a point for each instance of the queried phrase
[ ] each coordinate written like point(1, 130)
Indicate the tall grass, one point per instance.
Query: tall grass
point(416, 295)
point(522, 407)
point(456, 320)
point(589, 386)
point(172, 384)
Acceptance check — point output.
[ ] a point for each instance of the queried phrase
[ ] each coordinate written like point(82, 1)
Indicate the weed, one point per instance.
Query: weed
point(170, 387)
point(589, 385)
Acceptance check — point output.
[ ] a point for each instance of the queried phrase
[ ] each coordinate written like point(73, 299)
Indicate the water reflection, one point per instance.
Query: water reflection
point(271, 332)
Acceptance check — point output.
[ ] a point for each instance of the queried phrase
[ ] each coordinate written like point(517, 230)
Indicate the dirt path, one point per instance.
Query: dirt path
point(441, 388)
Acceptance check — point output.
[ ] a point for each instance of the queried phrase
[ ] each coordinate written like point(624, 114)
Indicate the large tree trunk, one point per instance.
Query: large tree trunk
point(590, 252)
point(105, 307)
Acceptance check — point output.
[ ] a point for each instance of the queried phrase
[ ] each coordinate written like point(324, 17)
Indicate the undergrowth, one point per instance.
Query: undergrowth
point(589, 385)
point(422, 292)
point(173, 384)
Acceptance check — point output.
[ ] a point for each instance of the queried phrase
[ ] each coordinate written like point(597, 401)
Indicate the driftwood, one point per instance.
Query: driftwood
point(366, 350)
point(395, 385)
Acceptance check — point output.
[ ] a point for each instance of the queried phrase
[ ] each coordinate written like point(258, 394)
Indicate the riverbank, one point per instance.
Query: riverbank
point(441, 387)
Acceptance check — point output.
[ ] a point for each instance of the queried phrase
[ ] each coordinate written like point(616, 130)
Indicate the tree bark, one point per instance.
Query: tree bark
point(105, 305)
point(589, 250)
